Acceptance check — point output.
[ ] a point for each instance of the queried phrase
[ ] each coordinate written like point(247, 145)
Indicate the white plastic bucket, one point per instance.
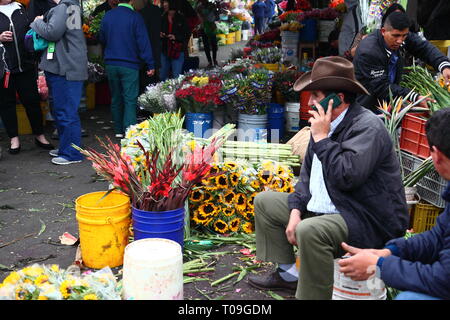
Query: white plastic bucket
point(153, 270)
point(345, 288)
point(244, 35)
point(325, 27)
point(292, 116)
point(252, 127)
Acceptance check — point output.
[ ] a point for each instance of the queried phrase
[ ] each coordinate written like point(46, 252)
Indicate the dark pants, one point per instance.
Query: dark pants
point(210, 44)
point(25, 84)
point(259, 25)
point(66, 100)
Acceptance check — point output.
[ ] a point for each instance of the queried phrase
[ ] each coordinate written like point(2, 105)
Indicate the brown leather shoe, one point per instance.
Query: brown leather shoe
point(272, 282)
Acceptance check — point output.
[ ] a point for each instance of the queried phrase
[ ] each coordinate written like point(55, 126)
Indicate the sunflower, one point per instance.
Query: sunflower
point(207, 196)
point(234, 224)
point(228, 198)
point(228, 212)
point(214, 170)
point(251, 199)
point(247, 214)
point(274, 184)
point(234, 178)
point(66, 288)
point(248, 227)
point(231, 165)
point(255, 184)
point(207, 209)
point(220, 226)
point(196, 196)
point(241, 201)
point(289, 188)
point(200, 218)
point(221, 182)
point(265, 176)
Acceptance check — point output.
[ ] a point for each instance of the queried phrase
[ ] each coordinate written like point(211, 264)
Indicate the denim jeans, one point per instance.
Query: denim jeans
point(124, 86)
point(167, 64)
point(66, 100)
point(410, 295)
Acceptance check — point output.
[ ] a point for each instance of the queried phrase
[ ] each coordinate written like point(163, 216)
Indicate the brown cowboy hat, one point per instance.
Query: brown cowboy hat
point(330, 73)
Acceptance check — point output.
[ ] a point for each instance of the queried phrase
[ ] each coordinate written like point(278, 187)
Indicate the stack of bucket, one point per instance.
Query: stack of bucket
point(289, 45)
point(252, 127)
point(309, 31)
point(200, 124)
point(275, 126)
point(304, 108)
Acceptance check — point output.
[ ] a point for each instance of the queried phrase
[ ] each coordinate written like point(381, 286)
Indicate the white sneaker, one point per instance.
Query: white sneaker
point(62, 161)
point(54, 152)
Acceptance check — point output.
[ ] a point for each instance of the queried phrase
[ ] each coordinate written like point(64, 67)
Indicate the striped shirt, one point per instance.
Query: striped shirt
point(320, 201)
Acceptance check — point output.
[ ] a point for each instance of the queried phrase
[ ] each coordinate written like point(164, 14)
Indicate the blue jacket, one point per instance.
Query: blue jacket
point(259, 9)
point(421, 263)
point(124, 36)
point(270, 8)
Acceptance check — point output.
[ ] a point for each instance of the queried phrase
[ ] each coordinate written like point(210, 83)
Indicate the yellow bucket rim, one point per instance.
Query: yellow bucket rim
point(77, 204)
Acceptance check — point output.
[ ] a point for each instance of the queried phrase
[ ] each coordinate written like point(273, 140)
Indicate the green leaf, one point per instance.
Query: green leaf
point(275, 296)
point(43, 227)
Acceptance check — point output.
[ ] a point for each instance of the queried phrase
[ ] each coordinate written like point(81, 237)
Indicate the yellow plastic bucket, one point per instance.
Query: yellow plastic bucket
point(238, 36)
point(275, 67)
point(221, 38)
point(23, 124)
point(90, 96)
point(231, 37)
point(104, 228)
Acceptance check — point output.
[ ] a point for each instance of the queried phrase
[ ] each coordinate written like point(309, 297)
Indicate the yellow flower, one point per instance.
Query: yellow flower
point(222, 182)
point(268, 165)
point(143, 125)
point(230, 165)
point(200, 218)
point(220, 226)
point(207, 196)
point(196, 196)
point(41, 279)
point(90, 297)
point(255, 184)
point(228, 198)
point(248, 227)
point(228, 212)
point(244, 179)
point(265, 176)
point(250, 200)
point(66, 288)
point(191, 145)
point(234, 224)
point(33, 271)
point(214, 170)
point(234, 178)
point(207, 209)
point(42, 298)
point(20, 293)
point(54, 268)
point(12, 278)
point(241, 201)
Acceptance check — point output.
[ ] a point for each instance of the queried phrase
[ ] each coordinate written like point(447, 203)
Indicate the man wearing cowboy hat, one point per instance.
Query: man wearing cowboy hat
point(350, 189)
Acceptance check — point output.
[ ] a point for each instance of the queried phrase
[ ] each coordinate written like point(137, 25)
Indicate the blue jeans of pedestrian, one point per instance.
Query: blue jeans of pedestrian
point(175, 64)
point(410, 295)
point(66, 100)
point(259, 25)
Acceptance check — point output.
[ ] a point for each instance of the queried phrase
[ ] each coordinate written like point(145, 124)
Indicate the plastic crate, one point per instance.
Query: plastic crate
point(412, 136)
point(424, 217)
point(431, 186)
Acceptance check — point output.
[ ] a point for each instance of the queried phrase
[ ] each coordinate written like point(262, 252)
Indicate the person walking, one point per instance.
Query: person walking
point(65, 64)
point(174, 32)
point(259, 13)
point(124, 36)
point(208, 14)
point(20, 77)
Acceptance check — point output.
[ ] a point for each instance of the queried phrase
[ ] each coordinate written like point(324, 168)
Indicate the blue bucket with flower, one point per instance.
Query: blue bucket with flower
point(159, 224)
point(200, 124)
point(275, 122)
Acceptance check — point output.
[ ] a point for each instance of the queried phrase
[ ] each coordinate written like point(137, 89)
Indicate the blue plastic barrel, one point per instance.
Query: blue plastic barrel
point(160, 224)
point(309, 32)
point(275, 126)
point(200, 124)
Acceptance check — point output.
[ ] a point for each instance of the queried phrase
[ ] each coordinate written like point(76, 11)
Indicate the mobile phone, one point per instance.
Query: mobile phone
point(324, 102)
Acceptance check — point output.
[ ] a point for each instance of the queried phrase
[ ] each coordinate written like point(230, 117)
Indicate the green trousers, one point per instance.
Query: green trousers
point(124, 86)
point(319, 243)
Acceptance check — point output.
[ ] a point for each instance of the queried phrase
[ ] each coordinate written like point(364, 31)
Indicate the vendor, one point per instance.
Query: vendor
point(379, 60)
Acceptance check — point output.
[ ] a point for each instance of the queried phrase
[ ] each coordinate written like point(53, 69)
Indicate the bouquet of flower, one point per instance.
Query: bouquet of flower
point(303, 5)
point(289, 16)
point(267, 55)
point(339, 5)
point(91, 27)
point(223, 203)
point(199, 94)
point(323, 14)
point(271, 35)
point(89, 7)
point(152, 99)
point(284, 82)
point(42, 282)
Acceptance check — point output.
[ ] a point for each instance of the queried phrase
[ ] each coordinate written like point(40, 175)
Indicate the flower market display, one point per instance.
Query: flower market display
point(223, 202)
point(50, 282)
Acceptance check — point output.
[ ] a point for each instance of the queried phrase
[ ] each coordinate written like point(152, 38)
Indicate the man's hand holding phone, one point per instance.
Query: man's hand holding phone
point(321, 119)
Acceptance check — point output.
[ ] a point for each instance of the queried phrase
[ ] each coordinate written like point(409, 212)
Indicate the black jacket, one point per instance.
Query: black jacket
point(180, 30)
point(39, 8)
point(152, 19)
point(371, 66)
point(362, 175)
point(17, 58)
